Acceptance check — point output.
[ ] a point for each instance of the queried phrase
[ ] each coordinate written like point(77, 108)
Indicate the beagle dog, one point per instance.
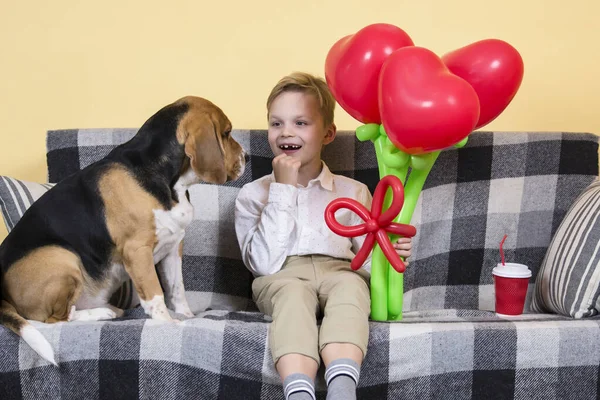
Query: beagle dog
point(121, 217)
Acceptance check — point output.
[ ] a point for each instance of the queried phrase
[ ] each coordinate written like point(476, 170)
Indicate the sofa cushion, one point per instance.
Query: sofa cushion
point(569, 279)
point(448, 354)
point(515, 183)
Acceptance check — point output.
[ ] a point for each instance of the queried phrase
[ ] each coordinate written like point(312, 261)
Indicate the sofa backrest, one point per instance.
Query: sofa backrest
point(515, 183)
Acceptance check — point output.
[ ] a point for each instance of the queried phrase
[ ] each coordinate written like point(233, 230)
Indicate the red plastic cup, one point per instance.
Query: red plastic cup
point(510, 284)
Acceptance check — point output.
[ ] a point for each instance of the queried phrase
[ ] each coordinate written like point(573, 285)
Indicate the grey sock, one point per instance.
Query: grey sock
point(299, 387)
point(342, 377)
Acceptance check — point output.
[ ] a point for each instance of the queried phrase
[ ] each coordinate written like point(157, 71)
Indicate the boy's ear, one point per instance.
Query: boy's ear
point(330, 134)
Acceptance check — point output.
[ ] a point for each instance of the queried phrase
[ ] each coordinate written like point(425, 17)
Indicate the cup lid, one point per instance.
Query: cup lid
point(512, 270)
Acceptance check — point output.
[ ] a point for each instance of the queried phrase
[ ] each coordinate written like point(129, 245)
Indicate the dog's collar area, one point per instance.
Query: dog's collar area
point(186, 180)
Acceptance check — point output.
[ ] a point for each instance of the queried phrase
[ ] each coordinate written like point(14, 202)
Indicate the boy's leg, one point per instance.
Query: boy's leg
point(291, 299)
point(342, 373)
point(345, 298)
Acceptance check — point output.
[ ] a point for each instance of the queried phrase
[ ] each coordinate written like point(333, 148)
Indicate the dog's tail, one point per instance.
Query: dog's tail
point(19, 325)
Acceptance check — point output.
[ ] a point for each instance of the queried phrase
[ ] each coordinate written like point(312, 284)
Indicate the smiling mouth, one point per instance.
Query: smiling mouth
point(289, 147)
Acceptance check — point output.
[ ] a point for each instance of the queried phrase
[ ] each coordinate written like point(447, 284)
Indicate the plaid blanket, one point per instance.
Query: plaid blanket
point(515, 183)
point(450, 343)
point(445, 354)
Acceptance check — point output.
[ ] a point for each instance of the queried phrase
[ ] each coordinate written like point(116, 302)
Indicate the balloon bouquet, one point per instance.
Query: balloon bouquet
point(413, 104)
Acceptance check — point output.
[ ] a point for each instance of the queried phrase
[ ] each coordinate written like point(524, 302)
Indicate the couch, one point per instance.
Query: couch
point(450, 343)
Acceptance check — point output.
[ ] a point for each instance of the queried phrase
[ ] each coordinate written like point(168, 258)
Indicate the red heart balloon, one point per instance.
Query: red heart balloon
point(424, 107)
point(353, 64)
point(495, 70)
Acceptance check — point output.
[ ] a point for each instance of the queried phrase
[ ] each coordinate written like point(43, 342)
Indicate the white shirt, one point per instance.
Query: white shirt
point(274, 220)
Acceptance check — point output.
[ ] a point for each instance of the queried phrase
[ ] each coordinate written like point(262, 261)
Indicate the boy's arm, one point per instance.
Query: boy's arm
point(365, 198)
point(265, 233)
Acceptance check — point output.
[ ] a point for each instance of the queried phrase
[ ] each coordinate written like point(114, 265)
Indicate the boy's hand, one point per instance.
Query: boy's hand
point(286, 169)
point(403, 247)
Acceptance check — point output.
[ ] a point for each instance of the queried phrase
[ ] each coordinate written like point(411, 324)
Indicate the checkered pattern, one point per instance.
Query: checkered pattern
point(449, 345)
point(445, 354)
point(515, 183)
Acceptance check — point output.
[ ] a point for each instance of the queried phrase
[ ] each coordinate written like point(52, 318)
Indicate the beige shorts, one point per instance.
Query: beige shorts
point(308, 286)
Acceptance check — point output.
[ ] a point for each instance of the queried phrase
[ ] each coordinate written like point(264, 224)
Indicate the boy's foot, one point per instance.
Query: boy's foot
point(299, 387)
point(342, 377)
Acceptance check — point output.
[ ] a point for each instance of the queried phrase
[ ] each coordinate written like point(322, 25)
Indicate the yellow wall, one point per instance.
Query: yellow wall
point(72, 64)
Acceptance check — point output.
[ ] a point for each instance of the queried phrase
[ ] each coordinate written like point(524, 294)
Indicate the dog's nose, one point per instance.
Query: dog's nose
point(246, 157)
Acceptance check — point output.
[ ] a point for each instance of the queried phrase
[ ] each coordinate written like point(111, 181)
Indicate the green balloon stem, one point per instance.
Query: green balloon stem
point(379, 290)
point(412, 191)
point(387, 285)
point(382, 295)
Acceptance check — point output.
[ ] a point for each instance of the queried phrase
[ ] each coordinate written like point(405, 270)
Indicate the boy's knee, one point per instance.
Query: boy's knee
point(352, 294)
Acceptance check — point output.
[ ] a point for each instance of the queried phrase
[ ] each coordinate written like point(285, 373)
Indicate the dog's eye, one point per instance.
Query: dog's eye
point(226, 133)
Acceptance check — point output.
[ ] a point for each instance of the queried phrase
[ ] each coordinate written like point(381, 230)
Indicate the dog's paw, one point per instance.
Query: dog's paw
point(93, 314)
point(162, 316)
point(103, 313)
point(184, 309)
point(156, 308)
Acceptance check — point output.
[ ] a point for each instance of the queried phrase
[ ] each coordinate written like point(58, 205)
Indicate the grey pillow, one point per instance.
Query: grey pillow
point(568, 282)
point(16, 196)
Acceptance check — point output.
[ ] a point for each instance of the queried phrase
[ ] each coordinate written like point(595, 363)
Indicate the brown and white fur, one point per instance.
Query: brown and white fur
point(119, 218)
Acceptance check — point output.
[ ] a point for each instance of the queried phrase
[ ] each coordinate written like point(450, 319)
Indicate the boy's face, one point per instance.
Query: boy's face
point(296, 127)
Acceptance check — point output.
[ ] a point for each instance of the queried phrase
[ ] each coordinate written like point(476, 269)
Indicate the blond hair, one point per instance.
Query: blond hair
point(309, 84)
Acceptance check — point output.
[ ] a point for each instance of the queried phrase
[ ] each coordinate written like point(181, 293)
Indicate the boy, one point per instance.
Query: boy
point(301, 266)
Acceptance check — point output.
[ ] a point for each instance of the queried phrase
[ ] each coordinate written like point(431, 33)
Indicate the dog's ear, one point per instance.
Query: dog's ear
point(204, 148)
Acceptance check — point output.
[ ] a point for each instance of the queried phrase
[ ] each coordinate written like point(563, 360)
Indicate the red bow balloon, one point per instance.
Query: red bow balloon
point(352, 68)
point(495, 70)
point(376, 224)
point(424, 107)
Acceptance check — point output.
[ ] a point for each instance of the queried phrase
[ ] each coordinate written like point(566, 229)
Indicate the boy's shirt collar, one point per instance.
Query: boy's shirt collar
point(325, 178)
